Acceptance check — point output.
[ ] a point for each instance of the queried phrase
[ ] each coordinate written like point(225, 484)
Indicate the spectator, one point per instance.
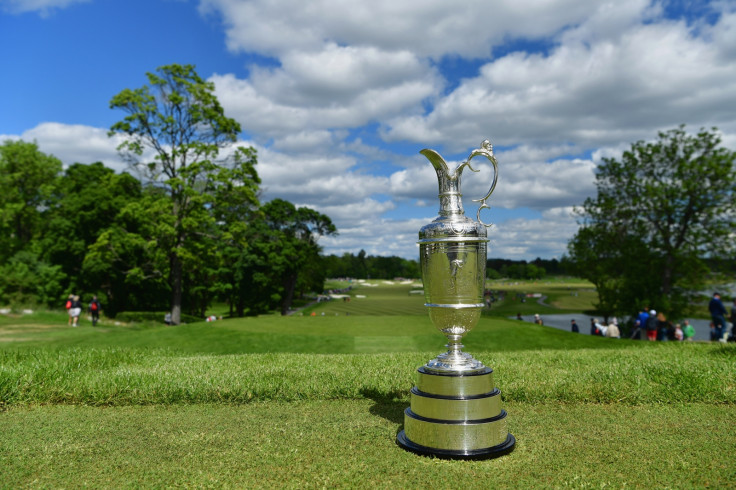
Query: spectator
point(600, 329)
point(76, 310)
point(679, 334)
point(718, 315)
point(574, 326)
point(662, 327)
point(671, 330)
point(94, 310)
point(612, 331)
point(652, 325)
point(688, 331)
point(68, 306)
point(640, 324)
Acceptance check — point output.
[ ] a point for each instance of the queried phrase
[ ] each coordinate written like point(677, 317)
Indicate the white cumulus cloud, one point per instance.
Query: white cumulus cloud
point(43, 7)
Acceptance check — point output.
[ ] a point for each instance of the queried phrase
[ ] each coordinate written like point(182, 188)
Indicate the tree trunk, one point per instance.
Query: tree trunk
point(176, 288)
point(289, 286)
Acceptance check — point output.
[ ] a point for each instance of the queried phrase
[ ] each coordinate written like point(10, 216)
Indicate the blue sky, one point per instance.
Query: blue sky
point(339, 96)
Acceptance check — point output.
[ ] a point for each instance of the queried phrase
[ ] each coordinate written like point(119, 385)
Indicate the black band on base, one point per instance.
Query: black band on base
point(485, 453)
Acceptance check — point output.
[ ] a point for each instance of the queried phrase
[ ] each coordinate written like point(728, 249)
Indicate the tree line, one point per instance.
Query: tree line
point(186, 230)
point(363, 266)
point(87, 229)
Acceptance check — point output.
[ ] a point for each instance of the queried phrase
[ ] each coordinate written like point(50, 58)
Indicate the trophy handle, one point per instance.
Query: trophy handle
point(485, 150)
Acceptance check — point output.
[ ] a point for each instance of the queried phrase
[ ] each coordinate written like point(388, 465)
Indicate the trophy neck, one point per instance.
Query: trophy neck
point(451, 203)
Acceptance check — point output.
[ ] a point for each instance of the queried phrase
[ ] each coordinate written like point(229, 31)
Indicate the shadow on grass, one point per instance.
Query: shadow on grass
point(390, 405)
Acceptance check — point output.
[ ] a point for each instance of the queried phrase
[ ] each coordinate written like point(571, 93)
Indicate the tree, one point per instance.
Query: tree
point(28, 281)
point(27, 179)
point(86, 201)
point(125, 262)
point(661, 210)
point(178, 137)
point(296, 231)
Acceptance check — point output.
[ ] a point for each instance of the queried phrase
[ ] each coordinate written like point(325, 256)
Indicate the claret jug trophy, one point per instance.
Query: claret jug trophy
point(455, 407)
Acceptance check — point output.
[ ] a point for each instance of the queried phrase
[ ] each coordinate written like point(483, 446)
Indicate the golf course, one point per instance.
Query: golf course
point(315, 399)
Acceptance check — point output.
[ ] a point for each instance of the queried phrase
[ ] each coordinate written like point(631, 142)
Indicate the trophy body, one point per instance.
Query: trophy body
point(455, 407)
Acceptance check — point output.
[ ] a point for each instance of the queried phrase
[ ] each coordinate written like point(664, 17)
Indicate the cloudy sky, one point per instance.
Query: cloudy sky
point(339, 96)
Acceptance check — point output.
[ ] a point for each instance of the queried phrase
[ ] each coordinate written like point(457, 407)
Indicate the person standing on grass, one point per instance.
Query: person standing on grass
point(662, 327)
point(652, 325)
point(688, 331)
point(94, 310)
point(679, 334)
point(600, 329)
point(640, 324)
point(68, 306)
point(574, 326)
point(718, 315)
point(76, 310)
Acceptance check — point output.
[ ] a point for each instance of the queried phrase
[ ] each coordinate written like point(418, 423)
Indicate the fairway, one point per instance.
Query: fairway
point(377, 298)
point(316, 401)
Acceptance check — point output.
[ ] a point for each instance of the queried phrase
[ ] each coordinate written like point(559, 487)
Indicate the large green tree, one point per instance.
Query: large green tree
point(297, 231)
point(27, 178)
point(126, 262)
point(278, 259)
point(177, 136)
point(86, 201)
point(662, 211)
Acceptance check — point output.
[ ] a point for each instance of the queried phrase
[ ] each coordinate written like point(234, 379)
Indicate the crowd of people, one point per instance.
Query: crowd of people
point(611, 330)
point(655, 325)
point(652, 325)
point(74, 309)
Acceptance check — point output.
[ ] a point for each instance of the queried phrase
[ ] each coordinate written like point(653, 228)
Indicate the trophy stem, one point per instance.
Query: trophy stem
point(454, 345)
point(455, 360)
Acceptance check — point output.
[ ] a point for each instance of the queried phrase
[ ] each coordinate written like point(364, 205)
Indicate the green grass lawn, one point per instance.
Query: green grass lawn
point(316, 401)
point(560, 295)
point(376, 298)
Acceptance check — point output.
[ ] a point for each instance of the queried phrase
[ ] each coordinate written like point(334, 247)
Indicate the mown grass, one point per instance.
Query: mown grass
point(375, 298)
point(686, 374)
point(317, 401)
point(350, 444)
point(336, 334)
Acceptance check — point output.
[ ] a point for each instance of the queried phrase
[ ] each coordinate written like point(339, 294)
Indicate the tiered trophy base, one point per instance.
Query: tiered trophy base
point(456, 415)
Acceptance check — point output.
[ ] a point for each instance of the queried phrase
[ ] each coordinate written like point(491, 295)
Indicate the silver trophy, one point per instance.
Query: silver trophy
point(455, 407)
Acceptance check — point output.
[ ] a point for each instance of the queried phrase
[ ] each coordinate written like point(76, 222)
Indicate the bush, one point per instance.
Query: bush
point(151, 316)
